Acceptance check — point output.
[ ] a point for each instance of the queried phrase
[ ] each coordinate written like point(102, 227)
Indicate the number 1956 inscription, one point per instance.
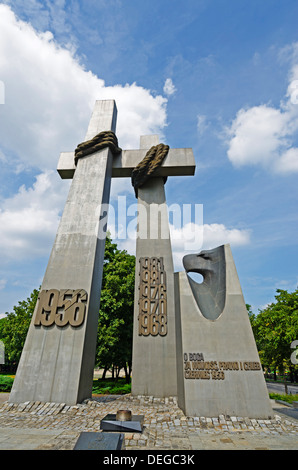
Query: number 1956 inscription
point(61, 308)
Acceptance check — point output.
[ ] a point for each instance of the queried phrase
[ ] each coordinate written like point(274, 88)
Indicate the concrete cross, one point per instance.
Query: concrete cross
point(58, 356)
point(179, 162)
point(57, 361)
point(154, 330)
point(157, 378)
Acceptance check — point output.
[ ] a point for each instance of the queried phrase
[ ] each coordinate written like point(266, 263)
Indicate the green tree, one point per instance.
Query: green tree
point(115, 323)
point(114, 343)
point(275, 328)
point(14, 327)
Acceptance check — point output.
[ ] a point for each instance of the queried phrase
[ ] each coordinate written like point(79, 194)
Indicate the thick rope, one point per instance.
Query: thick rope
point(102, 140)
point(148, 166)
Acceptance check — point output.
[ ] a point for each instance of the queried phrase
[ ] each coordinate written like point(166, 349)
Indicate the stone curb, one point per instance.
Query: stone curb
point(285, 403)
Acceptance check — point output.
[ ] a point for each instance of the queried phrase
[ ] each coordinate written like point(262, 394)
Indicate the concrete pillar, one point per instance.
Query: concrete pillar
point(154, 336)
point(57, 362)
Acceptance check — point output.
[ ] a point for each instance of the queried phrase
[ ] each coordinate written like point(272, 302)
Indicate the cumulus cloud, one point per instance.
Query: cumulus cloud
point(50, 96)
point(288, 161)
point(169, 87)
point(49, 100)
point(192, 238)
point(29, 220)
point(257, 135)
point(265, 135)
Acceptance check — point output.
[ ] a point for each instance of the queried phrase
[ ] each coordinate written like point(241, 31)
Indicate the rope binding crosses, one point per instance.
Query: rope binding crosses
point(142, 172)
point(149, 165)
point(100, 141)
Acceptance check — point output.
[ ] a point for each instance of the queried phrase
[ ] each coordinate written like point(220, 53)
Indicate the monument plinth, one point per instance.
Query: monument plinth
point(57, 361)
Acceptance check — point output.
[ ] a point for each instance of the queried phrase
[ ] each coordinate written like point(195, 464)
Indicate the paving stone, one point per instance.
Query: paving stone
point(165, 426)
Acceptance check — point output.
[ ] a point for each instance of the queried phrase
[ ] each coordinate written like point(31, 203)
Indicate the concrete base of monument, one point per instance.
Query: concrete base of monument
point(219, 370)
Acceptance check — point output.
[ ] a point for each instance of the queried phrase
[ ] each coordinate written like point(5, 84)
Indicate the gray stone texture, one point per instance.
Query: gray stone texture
point(42, 426)
point(99, 441)
point(57, 363)
point(154, 357)
point(178, 162)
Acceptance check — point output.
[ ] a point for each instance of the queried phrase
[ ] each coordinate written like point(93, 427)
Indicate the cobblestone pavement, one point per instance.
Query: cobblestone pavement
point(35, 425)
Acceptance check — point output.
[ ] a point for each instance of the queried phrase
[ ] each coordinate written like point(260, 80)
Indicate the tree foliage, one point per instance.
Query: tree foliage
point(115, 324)
point(275, 328)
point(114, 342)
point(14, 327)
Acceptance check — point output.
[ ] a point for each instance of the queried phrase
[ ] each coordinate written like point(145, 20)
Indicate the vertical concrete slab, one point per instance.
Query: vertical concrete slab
point(57, 362)
point(154, 353)
point(219, 370)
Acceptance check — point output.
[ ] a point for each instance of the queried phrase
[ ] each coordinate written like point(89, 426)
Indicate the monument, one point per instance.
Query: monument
point(190, 340)
point(57, 361)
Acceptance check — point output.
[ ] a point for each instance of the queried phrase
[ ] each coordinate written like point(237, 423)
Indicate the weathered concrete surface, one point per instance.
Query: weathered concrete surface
point(154, 357)
point(127, 160)
point(51, 426)
point(57, 362)
point(228, 338)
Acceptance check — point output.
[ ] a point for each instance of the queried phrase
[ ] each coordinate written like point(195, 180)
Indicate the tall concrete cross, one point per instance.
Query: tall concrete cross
point(57, 361)
point(154, 360)
point(58, 357)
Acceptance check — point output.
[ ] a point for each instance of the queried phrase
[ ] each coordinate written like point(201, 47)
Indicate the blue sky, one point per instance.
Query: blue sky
point(219, 76)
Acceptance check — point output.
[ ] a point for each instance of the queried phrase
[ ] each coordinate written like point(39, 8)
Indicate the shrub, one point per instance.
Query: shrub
point(286, 398)
point(5, 383)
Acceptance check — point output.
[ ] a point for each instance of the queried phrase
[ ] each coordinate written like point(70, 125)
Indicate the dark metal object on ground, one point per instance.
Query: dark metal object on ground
point(111, 423)
point(99, 441)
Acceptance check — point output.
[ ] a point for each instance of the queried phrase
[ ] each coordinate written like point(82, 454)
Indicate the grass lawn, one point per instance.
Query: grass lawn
point(109, 386)
point(100, 386)
point(286, 398)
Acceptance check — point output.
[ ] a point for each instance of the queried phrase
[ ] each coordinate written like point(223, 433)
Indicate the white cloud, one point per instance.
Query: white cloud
point(201, 123)
point(50, 96)
point(218, 234)
point(257, 135)
point(29, 219)
point(139, 113)
point(194, 238)
point(265, 135)
point(49, 99)
point(169, 87)
point(288, 162)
